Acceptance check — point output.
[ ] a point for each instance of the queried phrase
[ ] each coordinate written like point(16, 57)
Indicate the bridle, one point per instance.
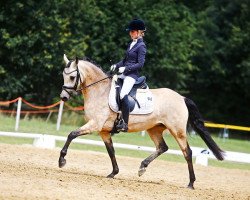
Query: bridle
point(78, 78)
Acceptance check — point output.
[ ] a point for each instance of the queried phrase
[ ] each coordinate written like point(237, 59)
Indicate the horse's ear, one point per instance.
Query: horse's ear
point(77, 60)
point(66, 60)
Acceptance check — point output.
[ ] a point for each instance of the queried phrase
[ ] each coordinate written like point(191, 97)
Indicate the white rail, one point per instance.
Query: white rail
point(201, 154)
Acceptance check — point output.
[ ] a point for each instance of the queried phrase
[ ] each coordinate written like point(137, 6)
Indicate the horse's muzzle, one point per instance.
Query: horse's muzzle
point(64, 99)
point(64, 96)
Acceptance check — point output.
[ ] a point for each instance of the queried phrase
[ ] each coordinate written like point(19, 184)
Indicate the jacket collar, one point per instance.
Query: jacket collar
point(139, 40)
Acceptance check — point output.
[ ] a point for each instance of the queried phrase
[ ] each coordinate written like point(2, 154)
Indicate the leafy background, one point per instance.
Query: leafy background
point(199, 49)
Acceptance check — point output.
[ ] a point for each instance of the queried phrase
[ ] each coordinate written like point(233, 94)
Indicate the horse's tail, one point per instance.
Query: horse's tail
point(197, 123)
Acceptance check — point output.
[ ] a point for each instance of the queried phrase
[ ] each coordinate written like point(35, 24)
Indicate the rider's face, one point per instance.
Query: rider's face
point(133, 34)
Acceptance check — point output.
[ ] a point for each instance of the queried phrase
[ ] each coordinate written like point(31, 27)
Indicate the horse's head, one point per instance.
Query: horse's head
point(72, 79)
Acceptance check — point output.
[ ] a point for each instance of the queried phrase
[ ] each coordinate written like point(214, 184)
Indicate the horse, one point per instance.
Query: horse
point(172, 112)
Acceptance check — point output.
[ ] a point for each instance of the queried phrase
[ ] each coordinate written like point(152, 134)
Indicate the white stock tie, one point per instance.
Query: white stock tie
point(133, 43)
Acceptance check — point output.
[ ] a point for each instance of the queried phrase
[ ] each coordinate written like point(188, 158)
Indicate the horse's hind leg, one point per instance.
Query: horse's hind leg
point(187, 152)
point(155, 134)
point(188, 157)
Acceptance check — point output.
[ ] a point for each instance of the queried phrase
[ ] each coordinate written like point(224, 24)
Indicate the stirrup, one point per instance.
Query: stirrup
point(122, 126)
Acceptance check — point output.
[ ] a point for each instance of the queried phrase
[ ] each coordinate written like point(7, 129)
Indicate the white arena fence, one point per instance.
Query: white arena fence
point(61, 104)
point(202, 155)
point(49, 141)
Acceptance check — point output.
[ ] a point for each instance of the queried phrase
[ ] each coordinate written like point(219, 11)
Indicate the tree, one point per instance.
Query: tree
point(222, 79)
point(198, 49)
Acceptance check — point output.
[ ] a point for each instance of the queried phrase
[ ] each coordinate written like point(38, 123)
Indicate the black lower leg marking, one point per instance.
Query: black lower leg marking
point(162, 147)
point(63, 153)
point(111, 152)
point(190, 167)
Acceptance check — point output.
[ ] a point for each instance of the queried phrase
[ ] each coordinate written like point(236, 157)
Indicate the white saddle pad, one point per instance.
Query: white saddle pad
point(143, 96)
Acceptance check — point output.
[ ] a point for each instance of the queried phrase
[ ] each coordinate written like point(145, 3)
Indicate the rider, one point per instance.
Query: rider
point(130, 65)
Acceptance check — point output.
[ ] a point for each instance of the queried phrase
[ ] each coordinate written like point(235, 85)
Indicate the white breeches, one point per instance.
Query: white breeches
point(128, 83)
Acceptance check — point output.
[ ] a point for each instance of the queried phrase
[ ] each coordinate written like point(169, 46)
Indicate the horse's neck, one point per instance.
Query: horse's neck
point(96, 93)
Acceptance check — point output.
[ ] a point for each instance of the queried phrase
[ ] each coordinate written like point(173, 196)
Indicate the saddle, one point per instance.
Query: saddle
point(141, 101)
point(140, 97)
point(139, 84)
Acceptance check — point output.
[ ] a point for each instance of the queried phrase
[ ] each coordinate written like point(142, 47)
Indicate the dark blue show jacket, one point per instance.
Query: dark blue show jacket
point(134, 59)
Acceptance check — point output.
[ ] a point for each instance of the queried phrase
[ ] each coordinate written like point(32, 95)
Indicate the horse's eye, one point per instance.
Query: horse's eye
point(72, 78)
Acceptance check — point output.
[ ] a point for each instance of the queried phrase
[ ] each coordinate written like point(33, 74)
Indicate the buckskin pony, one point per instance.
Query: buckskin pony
point(171, 112)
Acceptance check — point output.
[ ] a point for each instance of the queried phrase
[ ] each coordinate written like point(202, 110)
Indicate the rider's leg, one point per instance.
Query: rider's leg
point(126, 87)
point(123, 125)
point(128, 83)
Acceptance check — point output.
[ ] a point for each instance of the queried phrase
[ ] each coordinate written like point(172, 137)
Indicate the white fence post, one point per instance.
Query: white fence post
point(45, 141)
point(19, 105)
point(143, 133)
point(202, 159)
point(59, 118)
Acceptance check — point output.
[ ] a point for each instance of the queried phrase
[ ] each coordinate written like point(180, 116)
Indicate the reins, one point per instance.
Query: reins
point(110, 76)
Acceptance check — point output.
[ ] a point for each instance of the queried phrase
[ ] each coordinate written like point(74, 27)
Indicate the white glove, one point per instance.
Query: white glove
point(112, 68)
point(121, 69)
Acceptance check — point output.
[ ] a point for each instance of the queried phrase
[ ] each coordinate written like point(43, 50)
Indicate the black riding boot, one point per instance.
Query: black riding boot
point(123, 125)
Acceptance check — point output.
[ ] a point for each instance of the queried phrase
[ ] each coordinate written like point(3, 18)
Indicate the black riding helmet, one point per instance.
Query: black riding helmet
point(136, 24)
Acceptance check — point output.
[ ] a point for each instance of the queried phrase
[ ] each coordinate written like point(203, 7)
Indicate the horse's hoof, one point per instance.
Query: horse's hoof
point(141, 171)
point(190, 187)
point(62, 162)
point(111, 175)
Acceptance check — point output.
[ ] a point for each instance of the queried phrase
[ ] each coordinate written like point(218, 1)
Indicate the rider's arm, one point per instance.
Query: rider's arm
point(120, 64)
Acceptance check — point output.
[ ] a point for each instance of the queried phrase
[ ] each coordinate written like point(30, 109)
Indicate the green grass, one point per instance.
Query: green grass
point(34, 125)
point(40, 126)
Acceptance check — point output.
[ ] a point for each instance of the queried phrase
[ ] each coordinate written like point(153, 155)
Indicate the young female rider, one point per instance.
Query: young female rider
point(130, 65)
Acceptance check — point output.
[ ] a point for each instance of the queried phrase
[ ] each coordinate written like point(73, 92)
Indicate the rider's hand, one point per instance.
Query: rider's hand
point(112, 68)
point(121, 69)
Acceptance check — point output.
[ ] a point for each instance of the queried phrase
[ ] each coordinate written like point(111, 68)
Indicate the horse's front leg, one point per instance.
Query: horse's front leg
point(106, 137)
point(84, 130)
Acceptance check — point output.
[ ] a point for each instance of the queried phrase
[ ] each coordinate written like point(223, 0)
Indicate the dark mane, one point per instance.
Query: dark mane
point(92, 61)
point(88, 60)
